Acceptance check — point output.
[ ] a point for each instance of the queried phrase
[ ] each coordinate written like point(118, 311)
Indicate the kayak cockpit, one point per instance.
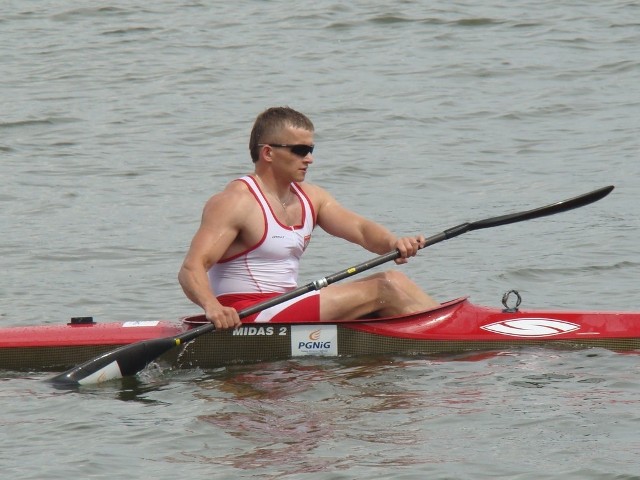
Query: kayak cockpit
point(435, 312)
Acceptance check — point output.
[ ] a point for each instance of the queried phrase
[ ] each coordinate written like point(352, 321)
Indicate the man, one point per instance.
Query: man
point(253, 233)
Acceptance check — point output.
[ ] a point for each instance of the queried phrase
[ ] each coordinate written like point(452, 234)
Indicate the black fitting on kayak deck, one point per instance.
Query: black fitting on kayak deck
point(505, 300)
point(81, 321)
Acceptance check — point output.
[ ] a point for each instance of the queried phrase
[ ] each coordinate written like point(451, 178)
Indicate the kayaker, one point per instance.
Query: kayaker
point(253, 233)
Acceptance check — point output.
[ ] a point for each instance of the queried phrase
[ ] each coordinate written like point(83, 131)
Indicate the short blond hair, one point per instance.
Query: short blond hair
point(270, 123)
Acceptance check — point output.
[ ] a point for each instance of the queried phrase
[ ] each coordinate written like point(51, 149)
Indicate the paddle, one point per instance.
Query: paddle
point(131, 359)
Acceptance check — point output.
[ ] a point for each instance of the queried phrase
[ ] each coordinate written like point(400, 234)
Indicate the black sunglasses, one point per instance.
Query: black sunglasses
point(301, 150)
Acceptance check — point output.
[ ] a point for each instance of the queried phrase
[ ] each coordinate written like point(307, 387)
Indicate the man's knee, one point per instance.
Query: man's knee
point(393, 282)
point(395, 277)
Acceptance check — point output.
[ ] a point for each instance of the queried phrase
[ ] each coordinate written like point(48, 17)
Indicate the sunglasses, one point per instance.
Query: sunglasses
point(301, 150)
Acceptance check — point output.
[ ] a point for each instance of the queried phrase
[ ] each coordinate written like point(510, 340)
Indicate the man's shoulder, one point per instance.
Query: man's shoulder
point(235, 194)
point(311, 189)
point(237, 186)
point(316, 193)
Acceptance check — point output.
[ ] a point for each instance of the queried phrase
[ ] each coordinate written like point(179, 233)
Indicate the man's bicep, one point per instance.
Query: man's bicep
point(218, 229)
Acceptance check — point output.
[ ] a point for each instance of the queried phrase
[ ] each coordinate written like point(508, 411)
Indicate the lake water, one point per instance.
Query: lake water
point(119, 119)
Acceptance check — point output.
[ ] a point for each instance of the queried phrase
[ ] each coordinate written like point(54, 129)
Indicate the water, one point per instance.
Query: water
point(119, 119)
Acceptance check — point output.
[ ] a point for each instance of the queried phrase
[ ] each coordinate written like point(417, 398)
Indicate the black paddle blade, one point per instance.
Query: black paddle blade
point(122, 362)
point(552, 209)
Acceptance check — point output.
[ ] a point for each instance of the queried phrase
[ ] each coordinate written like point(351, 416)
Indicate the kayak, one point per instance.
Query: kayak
point(106, 352)
point(453, 327)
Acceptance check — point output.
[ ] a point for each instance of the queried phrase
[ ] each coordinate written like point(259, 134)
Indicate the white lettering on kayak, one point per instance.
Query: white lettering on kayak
point(531, 327)
point(254, 331)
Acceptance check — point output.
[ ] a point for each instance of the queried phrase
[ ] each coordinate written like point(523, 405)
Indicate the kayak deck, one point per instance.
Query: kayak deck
point(456, 326)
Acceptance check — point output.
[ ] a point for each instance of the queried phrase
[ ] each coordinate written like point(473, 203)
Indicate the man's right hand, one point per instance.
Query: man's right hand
point(223, 317)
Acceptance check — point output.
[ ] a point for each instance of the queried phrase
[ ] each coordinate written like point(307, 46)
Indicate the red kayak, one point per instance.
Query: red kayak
point(453, 327)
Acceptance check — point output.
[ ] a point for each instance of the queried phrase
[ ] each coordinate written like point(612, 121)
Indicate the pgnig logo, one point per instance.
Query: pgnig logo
point(314, 342)
point(318, 340)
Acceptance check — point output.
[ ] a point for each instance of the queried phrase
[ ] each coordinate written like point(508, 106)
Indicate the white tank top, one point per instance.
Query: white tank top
point(270, 266)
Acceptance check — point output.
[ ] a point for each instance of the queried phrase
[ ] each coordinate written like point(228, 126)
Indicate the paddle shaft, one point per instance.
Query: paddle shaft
point(130, 359)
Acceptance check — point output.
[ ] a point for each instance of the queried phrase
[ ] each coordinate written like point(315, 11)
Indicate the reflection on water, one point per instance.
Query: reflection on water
point(299, 412)
point(300, 416)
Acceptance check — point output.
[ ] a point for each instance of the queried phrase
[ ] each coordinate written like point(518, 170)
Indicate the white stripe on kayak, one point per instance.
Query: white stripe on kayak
point(141, 323)
point(531, 327)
